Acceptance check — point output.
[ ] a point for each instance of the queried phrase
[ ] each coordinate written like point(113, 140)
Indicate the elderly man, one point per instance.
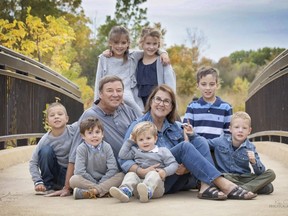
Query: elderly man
point(115, 116)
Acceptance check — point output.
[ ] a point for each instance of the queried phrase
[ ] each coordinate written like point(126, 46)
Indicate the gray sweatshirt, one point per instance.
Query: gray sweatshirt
point(161, 155)
point(61, 146)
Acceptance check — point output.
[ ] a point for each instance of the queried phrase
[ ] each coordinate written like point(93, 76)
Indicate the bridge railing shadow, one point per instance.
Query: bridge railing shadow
point(27, 86)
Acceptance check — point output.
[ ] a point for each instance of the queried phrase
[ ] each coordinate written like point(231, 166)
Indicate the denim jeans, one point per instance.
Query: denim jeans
point(201, 144)
point(201, 168)
point(52, 173)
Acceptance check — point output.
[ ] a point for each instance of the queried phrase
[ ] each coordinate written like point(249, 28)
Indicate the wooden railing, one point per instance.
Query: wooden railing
point(21, 139)
point(272, 136)
point(267, 101)
point(26, 88)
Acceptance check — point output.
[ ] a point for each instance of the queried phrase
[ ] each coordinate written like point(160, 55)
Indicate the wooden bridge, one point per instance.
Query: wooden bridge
point(27, 86)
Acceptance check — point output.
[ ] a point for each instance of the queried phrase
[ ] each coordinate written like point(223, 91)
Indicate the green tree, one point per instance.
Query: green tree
point(127, 13)
point(226, 74)
point(16, 9)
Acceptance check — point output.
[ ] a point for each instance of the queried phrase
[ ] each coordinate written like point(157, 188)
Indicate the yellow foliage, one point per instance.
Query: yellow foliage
point(87, 93)
point(49, 42)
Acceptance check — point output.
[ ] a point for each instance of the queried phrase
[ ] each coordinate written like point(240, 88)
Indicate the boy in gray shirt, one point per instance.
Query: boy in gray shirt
point(50, 159)
point(146, 154)
point(96, 169)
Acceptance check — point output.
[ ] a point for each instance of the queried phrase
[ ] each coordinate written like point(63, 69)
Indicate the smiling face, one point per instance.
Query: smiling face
point(161, 105)
point(119, 45)
point(150, 45)
point(93, 136)
point(57, 117)
point(207, 86)
point(146, 140)
point(111, 96)
point(240, 129)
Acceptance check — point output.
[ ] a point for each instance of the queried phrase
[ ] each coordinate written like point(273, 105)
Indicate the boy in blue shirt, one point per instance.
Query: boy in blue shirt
point(209, 115)
point(235, 153)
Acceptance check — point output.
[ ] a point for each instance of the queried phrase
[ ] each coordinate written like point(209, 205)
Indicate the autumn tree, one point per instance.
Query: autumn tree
point(16, 9)
point(35, 38)
point(50, 43)
point(187, 60)
point(127, 13)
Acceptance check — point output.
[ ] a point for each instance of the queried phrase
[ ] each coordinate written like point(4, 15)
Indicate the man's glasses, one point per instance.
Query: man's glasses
point(158, 100)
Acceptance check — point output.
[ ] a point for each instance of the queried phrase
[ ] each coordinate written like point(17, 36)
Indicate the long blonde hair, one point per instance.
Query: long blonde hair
point(152, 32)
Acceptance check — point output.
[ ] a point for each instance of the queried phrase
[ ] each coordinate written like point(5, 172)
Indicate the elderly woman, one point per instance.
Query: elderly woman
point(192, 155)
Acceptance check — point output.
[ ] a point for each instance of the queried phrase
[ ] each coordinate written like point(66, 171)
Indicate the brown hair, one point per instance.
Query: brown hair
point(115, 34)
point(204, 71)
point(242, 115)
point(172, 116)
point(107, 79)
point(90, 123)
point(152, 32)
point(145, 126)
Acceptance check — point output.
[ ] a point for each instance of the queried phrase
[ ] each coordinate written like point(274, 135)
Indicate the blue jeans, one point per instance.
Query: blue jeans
point(201, 144)
point(191, 156)
point(52, 173)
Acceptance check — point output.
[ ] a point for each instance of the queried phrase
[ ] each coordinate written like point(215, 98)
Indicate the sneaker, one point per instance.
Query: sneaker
point(268, 189)
point(79, 193)
point(123, 194)
point(144, 192)
point(44, 192)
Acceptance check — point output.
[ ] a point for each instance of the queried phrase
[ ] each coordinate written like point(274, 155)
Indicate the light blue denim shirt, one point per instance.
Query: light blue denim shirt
point(234, 161)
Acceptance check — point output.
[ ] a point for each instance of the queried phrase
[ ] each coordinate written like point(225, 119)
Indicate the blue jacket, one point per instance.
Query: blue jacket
point(230, 161)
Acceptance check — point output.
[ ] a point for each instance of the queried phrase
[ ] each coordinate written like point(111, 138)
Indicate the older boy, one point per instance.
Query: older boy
point(50, 159)
point(209, 115)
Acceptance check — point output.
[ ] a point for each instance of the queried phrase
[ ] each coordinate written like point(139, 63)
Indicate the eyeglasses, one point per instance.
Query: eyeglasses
point(158, 100)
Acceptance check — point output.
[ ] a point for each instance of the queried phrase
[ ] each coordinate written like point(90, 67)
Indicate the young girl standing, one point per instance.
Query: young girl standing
point(150, 71)
point(123, 64)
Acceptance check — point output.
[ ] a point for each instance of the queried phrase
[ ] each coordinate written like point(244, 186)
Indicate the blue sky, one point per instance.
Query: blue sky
point(227, 26)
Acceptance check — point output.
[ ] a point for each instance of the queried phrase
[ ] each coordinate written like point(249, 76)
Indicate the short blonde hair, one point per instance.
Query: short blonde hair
point(152, 32)
point(242, 115)
point(142, 127)
point(54, 104)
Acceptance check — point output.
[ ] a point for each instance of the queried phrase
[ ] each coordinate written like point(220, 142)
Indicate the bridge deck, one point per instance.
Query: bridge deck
point(17, 197)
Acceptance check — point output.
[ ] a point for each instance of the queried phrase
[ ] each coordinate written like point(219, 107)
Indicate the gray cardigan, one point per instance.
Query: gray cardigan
point(95, 165)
